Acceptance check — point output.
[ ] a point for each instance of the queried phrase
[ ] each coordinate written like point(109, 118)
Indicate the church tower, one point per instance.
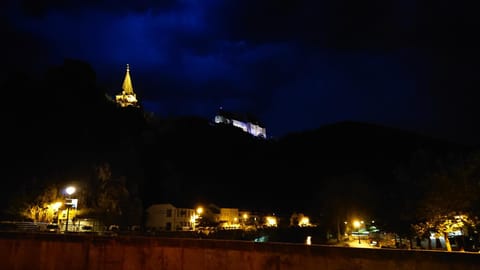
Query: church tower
point(127, 97)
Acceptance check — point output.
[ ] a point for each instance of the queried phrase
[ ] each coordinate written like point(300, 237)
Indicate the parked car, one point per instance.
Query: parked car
point(52, 227)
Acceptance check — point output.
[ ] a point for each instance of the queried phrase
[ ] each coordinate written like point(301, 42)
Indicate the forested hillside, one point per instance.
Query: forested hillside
point(63, 128)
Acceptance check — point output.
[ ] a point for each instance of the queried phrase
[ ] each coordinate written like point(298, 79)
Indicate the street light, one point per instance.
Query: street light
point(245, 220)
point(69, 190)
point(196, 216)
point(356, 224)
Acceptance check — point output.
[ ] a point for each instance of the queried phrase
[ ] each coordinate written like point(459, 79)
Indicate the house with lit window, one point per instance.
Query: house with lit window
point(247, 123)
point(229, 218)
point(166, 217)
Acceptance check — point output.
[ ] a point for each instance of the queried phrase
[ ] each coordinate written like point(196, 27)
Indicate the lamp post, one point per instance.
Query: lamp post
point(245, 220)
point(356, 224)
point(69, 190)
point(198, 214)
point(345, 232)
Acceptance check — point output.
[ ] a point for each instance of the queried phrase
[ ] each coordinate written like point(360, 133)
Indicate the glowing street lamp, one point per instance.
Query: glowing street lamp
point(69, 190)
point(196, 216)
point(356, 224)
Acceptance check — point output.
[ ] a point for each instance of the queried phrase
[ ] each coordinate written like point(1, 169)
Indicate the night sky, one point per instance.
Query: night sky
point(296, 65)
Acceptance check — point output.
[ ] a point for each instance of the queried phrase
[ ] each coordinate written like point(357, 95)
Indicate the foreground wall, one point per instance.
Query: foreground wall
point(71, 252)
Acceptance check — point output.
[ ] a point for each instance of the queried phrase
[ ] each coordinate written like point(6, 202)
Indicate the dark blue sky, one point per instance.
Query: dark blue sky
point(296, 65)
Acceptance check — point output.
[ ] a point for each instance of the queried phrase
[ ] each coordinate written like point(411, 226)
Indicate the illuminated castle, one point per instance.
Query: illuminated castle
point(127, 97)
point(246, 123)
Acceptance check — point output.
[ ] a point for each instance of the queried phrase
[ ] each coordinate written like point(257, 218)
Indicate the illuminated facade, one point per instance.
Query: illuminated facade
point(127, 97)
point(166, 217)
point(229, 218)
point(245, 123)
point(270, 221)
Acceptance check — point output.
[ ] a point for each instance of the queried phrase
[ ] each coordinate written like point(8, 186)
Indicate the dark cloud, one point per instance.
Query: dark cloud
point(21, 50)
point(41, 8)
point(402, 63)
point(333, 24)
point(447, 24)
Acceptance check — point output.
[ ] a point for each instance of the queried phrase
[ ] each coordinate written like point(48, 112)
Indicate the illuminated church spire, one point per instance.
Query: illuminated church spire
point(127, 82)
point(128, 97)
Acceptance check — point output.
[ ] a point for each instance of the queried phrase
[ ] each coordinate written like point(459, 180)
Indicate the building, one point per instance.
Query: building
point(127, 97)
point(245, 122)
point(166, 217)
point(229, 218)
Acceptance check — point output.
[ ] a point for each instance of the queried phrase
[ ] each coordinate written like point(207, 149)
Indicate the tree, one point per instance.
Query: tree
point(43, 208)
point(449, 204)
point(110, 200)
point(209, 216)
point(404, 191)
point(444, 224)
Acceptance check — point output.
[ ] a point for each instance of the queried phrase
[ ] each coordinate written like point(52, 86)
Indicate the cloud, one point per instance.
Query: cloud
point(42, 8)
point(332, 24)
point(400, 62)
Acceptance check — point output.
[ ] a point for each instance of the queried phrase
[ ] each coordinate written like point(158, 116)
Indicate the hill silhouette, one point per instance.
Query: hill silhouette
point(230, 167)
point(70, 127)
point(357, 145)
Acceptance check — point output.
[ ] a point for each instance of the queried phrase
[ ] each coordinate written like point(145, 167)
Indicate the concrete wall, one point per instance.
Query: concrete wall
point(71, 252)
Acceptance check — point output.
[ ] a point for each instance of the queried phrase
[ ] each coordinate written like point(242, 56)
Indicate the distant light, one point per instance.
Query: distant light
point(261, 239)
point(305, 221)
point(309, 240)
point(70, 190)
point(356, 224)
point(271, 221)
point(56, 205)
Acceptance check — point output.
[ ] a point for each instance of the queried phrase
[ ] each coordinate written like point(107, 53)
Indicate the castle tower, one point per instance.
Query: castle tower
point(127, 97)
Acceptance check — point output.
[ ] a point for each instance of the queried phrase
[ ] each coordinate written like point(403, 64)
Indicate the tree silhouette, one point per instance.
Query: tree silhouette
point(450, 203)
point(39, 207)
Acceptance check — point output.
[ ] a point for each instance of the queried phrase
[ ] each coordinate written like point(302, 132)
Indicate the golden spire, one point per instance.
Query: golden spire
point(127, 97)
point(127, 83)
